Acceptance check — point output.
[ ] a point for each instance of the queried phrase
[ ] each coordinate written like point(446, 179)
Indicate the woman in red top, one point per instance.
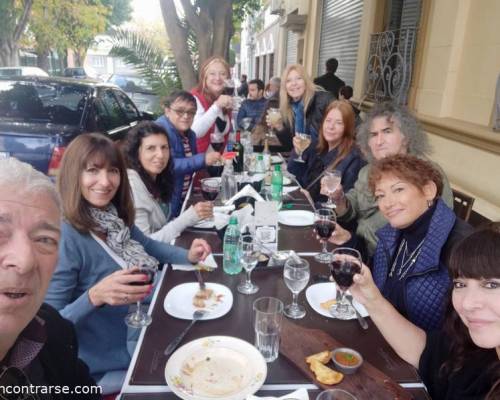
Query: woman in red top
point(213, 107)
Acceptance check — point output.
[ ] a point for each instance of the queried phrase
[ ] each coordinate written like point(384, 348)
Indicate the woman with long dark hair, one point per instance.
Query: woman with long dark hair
point(461, 361)
point(151, 175)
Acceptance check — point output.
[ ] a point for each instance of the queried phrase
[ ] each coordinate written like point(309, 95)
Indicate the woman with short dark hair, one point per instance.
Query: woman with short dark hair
point(100, 252)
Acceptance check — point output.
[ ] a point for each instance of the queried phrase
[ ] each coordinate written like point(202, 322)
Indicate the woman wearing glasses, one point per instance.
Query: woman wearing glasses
point(151, 175)
point(180, 109)
point(213, 112)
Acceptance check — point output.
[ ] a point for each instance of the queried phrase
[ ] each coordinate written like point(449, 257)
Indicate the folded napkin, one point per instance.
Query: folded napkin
point(246, 191)
point(300, 394)
point(224, 209)
point(289, 189)
point(209, 262)
point(244, 216)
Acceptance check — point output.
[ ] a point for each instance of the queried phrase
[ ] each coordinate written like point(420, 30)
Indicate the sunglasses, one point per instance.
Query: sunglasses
point(15, 385)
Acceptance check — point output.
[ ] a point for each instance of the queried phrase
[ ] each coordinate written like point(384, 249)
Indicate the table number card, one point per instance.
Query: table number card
point(266, 225)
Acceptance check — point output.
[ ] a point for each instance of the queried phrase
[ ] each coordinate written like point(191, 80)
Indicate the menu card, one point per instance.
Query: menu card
point(266, 225)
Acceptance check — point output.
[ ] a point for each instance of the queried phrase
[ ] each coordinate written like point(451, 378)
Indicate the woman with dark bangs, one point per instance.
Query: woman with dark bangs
point(461, 361)
point(96, 278)
point(336, 150)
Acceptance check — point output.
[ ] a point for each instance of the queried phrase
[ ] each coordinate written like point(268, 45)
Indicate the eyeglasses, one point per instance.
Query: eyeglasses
point(15, 385)
point(181, 112)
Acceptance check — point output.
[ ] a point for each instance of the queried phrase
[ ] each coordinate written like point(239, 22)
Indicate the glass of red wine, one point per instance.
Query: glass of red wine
point(217, 142)
point(140, 318)
point(210, 188)
point(346, 262)
point(324, 226)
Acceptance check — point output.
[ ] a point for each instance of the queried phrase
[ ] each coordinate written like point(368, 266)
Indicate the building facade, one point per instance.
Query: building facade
point(439, 57)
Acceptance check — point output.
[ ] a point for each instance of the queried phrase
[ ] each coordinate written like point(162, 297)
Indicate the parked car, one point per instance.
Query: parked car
point(139, 90)
point(22, 71)
point(75, 72)
point(40, 116)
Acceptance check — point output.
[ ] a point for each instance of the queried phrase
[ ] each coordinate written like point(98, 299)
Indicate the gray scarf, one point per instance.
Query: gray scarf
point(118, 238)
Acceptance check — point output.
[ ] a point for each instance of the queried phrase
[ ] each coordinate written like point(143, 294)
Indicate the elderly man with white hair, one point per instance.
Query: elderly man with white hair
point(38, 349)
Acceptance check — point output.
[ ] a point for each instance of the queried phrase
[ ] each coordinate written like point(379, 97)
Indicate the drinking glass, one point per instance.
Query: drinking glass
point(324, 225)
point(246, 122)
point(346, 262)
point(210, 188)
point(332, 181)
point(335, 394)
point(268, 314)
point(140, 318)
point(249, 255)
point(277, 198)
point(217, 141)
point(296, 275)
point(304, 142)
point(274, 116)
point(228, 87)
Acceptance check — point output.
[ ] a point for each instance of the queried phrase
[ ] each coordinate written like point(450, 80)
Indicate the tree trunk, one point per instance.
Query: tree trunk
point(178, 41)
point(9, 54)
point(42, 60)
point(223, 14)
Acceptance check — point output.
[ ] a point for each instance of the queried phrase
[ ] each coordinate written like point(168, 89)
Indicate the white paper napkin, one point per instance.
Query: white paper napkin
point(300, 394)
point(244, 216)
point(289, 189)
point(209, 262)
point(248, 190)
point(224, 209)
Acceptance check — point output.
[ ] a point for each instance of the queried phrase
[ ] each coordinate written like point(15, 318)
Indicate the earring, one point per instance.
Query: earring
point(429, 203)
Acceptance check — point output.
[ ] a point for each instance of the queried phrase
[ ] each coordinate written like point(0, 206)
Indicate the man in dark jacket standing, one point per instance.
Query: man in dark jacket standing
point(180, 108)
point(330, 81)
point(38, 348)
point(243, 89)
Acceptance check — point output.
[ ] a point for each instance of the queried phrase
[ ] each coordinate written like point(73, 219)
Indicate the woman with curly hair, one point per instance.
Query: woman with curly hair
point(461, 361)
point(302, 106)
point(389, 129)
point(151, 176)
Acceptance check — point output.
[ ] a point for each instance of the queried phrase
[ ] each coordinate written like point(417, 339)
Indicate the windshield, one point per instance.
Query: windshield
point(10, 71)
point(131, 83)
point(57, 103)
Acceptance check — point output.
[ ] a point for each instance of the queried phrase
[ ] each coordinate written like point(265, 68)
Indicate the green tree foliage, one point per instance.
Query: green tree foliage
point(151, 62)
point(120, 11)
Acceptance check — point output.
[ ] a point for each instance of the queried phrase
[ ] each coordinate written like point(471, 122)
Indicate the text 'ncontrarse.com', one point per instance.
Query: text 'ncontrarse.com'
point(48, 389)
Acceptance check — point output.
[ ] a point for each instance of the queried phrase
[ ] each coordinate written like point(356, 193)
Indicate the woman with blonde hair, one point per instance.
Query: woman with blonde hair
point(336, 150)
point(213, 111)
point(302, 105)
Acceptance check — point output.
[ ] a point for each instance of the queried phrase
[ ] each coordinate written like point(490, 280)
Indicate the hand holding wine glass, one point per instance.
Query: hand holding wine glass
point(147, 274)
point(324, 224)
point(296, 274)
point(346, 262)
point(210, 188)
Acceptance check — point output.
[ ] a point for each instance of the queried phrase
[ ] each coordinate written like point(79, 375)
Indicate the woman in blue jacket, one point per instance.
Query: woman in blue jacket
point(180, 109)
point(99, 250)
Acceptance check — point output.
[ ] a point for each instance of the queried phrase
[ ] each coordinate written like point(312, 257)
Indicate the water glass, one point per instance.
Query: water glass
point(296, 275)
point(335, 394)
point(268, 314)
point(249, 256)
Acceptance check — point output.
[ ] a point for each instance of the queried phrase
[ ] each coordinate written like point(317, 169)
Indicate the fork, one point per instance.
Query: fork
point(200, 279)
point(198, 314)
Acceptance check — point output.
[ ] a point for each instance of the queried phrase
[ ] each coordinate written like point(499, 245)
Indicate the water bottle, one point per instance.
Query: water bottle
point(260, 166)
point(231, 261)
point(228, 181)
point(277, 185)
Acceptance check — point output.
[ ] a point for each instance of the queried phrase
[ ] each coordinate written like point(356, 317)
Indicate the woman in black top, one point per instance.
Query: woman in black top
point(462, 360)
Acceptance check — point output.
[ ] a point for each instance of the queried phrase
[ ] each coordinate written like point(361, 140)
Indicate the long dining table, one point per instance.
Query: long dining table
point(145, 378)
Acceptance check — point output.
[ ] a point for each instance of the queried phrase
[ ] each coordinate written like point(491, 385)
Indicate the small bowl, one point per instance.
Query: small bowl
point(278, 258)
point(263, 260)
point(347, 360)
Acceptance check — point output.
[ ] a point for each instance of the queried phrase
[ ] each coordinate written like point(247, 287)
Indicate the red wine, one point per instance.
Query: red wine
point(343, 272)
point(209, 195)
point(218, 146)
point(215, 170)
point(324, 228)
point(228, 90)
point(144, 271)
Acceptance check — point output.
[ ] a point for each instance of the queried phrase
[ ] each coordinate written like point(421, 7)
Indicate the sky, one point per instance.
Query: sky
point(147, 10)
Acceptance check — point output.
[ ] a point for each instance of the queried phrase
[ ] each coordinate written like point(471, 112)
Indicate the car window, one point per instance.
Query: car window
point(43, 102)
point(109, 111)
point(128, 107)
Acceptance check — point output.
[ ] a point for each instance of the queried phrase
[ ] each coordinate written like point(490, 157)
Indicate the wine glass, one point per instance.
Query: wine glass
point(274, 116)
point(217, 141)
point(139, 318)
point(228, 87)
point(331, 180)
point(210, 188)
point(249, 255)
point(335, 394)
point(277, 197)
point(296, 275)
point(346, 262)
point(304, 142)
point(324, 225)
point(246, 123)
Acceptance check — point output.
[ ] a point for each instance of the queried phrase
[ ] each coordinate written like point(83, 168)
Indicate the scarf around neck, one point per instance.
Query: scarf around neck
point(118, 238)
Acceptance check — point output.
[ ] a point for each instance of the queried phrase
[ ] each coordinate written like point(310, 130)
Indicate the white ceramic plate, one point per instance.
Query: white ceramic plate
point(296, 217)
point(322, 292)
point(179, 301)
point(215, 367)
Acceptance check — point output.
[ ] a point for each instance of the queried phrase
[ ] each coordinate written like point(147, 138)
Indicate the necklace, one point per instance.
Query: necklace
point(407, 261)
